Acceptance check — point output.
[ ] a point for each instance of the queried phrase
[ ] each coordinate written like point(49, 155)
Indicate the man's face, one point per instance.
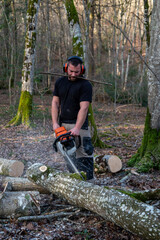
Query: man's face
point(73, 71)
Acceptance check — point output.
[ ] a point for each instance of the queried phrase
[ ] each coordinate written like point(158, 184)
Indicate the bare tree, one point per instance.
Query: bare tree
point(25, 102)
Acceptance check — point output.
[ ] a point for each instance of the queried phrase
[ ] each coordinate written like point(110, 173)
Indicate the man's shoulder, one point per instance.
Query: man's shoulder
point(86, 83)
point(64, 78)
point(61, 80)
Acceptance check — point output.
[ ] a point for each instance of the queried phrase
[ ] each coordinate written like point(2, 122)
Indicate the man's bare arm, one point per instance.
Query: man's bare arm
point(81, 117)
point(55, 111)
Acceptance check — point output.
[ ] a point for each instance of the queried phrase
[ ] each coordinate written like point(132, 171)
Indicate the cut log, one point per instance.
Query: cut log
point(17, 204)
point(128, 213)
point(112, 163)
point(23, 184)
point(12, 168)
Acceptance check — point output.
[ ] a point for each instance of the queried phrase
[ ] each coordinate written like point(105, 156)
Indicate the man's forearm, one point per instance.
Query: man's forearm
point(82, 114)
point(55, 111)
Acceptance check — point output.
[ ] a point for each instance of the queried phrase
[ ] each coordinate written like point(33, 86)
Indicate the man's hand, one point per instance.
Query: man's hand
point(75, 131)
point(55, 126)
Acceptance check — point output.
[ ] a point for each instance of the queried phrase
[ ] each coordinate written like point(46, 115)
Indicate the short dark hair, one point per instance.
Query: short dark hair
point(75, 60)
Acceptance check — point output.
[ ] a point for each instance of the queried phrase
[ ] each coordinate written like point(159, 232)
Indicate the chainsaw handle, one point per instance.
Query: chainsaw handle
point(68, 134)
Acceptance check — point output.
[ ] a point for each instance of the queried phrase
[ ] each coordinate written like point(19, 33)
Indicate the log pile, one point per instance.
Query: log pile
point(113, 205)
point(15, 203)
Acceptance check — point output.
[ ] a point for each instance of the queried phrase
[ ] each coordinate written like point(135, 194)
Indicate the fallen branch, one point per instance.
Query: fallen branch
point(63, 75)
point(58, 213)
point(55, 214)
point(128, 213)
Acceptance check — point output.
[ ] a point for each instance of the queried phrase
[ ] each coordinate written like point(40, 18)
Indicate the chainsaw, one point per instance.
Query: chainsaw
point(65, 144)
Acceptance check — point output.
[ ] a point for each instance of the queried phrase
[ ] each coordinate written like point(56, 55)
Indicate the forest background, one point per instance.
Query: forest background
point(116, 40)
point(113, 32)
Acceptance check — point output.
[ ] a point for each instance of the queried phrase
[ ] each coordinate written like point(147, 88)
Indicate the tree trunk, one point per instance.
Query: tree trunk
point(25, 103)
point(148, 155)
point(22, 184)
point(95, 138)
point(16, 204)
point(127, 212)
point(12, 168)
point(75, 29)
point(78, 50)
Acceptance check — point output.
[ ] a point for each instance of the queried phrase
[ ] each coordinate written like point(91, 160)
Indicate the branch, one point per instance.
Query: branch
point(63, 75)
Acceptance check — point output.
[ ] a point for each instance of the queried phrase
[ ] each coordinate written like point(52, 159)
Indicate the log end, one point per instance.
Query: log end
point(16, 169)
point(114, 164)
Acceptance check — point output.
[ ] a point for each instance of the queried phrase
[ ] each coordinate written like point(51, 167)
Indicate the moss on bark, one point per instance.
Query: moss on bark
point(95, 138)
point(147, 157)
point(24, 110)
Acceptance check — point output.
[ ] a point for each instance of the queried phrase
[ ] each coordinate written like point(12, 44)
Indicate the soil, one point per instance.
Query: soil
point(120, 127)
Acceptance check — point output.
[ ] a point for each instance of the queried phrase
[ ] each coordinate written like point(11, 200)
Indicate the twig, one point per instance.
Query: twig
point(40, 217)
point(117, 132)
point(58, 213)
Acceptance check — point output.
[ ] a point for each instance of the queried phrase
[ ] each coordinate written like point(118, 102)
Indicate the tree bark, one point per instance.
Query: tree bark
point(16, 204)
point(22, 184)
point(127, 212)
point(75, 29)
point(148, 155)
point(12, 168)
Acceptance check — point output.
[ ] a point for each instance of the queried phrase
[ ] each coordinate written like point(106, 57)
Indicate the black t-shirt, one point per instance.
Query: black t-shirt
point(71, 93)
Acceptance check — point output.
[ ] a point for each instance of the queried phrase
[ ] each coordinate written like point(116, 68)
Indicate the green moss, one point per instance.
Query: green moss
point(77, 47)
point(24, 110)
point(139, 196)
point(71, 12)
point(147, 157)
point(95, 138)
point(77, 176)
point(31, 7)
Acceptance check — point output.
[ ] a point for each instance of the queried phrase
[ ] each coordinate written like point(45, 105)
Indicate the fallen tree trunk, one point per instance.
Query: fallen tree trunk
point(12, 168)
point(22, 184)
point(128, 213)
point(17, 204)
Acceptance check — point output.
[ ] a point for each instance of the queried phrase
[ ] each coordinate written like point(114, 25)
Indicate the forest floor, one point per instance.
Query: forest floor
point(120, 127)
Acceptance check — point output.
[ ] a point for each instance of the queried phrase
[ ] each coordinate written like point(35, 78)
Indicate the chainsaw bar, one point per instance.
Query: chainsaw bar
point(65, 144)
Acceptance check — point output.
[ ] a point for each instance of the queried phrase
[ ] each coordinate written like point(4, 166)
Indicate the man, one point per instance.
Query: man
point(71, 99)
